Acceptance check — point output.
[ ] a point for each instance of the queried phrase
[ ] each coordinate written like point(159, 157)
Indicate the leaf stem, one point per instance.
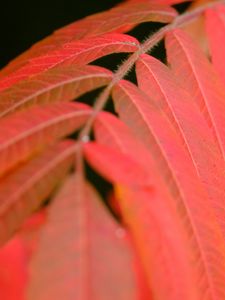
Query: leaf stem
point(126, 66)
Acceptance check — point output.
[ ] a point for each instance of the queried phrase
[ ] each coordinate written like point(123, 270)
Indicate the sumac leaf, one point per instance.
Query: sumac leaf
point(25, 189)
point(215, 27)
point(63, 83)
point(94, 260)
point(147, 121)
point(188, 61)
point(157, 81)
point(24, 134)
point(75, 52)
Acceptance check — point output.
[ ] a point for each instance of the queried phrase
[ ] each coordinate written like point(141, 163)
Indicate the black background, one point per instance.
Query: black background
point(24, 22)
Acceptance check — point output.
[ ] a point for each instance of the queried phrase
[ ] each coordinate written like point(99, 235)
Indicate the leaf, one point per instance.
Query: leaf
point(157, 81)
point(146, 120)
point(149, 216)
point(63, 83)
point(215, 19)
point(125, 14)
point(75, 52)
point(13, 273)
point(160, 2)
point(160, 244)
point(120, 18)
point(24, 134)
point(111, 131)
point(92, 261)
point(127, 172)
point(30, 230)
point(14, 258)
point(200, 81)
point(196, 29)
point(25, 189)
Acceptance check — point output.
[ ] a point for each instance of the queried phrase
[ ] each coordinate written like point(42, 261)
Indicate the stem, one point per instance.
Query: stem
point(125, 67)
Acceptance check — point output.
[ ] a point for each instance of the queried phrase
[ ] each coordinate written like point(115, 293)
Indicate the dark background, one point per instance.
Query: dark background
point(25, 22)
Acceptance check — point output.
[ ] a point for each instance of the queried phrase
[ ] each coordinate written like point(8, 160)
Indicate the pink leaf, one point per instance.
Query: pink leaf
point(188, 61)
point(14, 259)
point(215, 26)
point(25, 189)
point(92, 261)
point(26, 133)
point(75, 52)
point(125, 170)
point(62, 83)
point(158, 83)
point(118, 19)
point(149, 216)
point(13, 271)
point(147, 121)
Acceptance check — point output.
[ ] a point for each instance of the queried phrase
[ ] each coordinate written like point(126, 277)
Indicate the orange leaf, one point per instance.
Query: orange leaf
point(128, 171)
point(14, 258)
point(160, 243)
point(118, 19)
point(160, 2)
point(26, 133)
point(111, 131)
point(13, 271)
point(62, 83)
point(158, 83)
point(25, 189)
point(189, 62)
point(76, 52)
point(149, 216)
point(147, 121)
point(215, 27)
point(92, 261)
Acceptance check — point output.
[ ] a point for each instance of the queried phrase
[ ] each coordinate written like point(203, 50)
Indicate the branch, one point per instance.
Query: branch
point(125, 67)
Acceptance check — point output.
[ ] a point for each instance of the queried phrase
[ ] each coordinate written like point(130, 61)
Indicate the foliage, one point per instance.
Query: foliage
point(160, 231)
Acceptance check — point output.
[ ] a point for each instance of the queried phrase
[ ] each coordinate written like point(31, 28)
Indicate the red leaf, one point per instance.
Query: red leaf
point(110, 131)
point(124, 169)
point(14, 258)
point(215, 26)
point(158, 83)
point(92, 261)
point(145, 119)
point(30, 230)
point(26, 133)
point(63, 83)
point(189, 62)
point(149, 212)
point(125, 14)
point(76, 52)
point(25, 189)
point(160, 2)
point(160, 244)
point(120, 18)
point(13, 272)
